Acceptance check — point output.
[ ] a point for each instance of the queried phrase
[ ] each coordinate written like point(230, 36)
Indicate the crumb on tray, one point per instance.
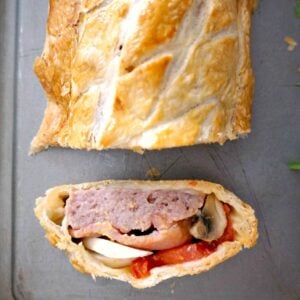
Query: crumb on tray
point(291, 42)
point(153, 173)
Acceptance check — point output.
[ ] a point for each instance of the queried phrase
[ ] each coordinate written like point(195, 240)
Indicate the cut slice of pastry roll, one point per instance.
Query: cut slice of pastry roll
point(144, 232)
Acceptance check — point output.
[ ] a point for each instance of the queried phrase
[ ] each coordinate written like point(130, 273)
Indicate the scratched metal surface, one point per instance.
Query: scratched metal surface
point(254, 168)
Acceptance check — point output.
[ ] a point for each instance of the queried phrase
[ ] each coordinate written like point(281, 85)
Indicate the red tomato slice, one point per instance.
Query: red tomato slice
point(182, 254)
point(227, 209)
point(228, 235)
point(140, 268)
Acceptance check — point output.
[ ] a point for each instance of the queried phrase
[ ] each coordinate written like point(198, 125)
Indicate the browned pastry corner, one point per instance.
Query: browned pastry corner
point(72, 211)
point(145, 74)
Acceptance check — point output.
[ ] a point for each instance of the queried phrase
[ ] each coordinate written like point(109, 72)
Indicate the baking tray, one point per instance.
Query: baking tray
point(254, 168)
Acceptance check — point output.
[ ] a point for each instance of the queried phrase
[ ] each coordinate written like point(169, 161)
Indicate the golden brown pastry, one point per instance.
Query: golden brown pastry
point(145, 74)
point(144, 232)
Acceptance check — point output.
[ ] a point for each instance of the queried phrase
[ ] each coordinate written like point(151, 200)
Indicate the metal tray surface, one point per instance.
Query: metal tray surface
point(255, 168)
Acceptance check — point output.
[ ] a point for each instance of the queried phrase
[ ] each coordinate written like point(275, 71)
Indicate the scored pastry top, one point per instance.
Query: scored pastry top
point(145, 74)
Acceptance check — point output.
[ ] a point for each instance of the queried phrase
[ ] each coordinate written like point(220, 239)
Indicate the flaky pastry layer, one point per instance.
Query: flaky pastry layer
point(141, 74)
point(50, 212)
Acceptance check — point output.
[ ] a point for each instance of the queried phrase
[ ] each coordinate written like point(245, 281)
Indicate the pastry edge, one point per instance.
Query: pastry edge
point(243, 109)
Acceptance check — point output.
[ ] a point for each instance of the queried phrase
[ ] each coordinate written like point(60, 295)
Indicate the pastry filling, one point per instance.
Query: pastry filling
point(146, 228)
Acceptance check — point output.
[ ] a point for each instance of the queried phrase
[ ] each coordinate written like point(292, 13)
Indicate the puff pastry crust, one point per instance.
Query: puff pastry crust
point(151, 74)
point(50, 212)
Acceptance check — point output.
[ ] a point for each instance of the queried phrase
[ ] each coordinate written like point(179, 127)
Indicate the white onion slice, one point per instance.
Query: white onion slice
point(115, 263)
point(113, 250)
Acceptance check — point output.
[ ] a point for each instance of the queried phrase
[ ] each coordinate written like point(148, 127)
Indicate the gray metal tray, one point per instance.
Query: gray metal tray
point(254, 168)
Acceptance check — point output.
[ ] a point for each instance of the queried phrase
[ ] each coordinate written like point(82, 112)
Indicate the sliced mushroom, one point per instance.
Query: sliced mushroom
point(211, 221)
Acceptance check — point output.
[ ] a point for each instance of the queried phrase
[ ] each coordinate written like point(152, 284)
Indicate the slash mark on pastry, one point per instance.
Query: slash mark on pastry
point(97, 7)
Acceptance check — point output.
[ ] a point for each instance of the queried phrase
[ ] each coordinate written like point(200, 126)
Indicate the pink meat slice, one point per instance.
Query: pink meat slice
point(129, 209)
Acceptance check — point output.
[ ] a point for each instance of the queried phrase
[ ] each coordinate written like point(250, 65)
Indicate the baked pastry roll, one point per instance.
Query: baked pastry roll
point(144, 232)
point(145, 74)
